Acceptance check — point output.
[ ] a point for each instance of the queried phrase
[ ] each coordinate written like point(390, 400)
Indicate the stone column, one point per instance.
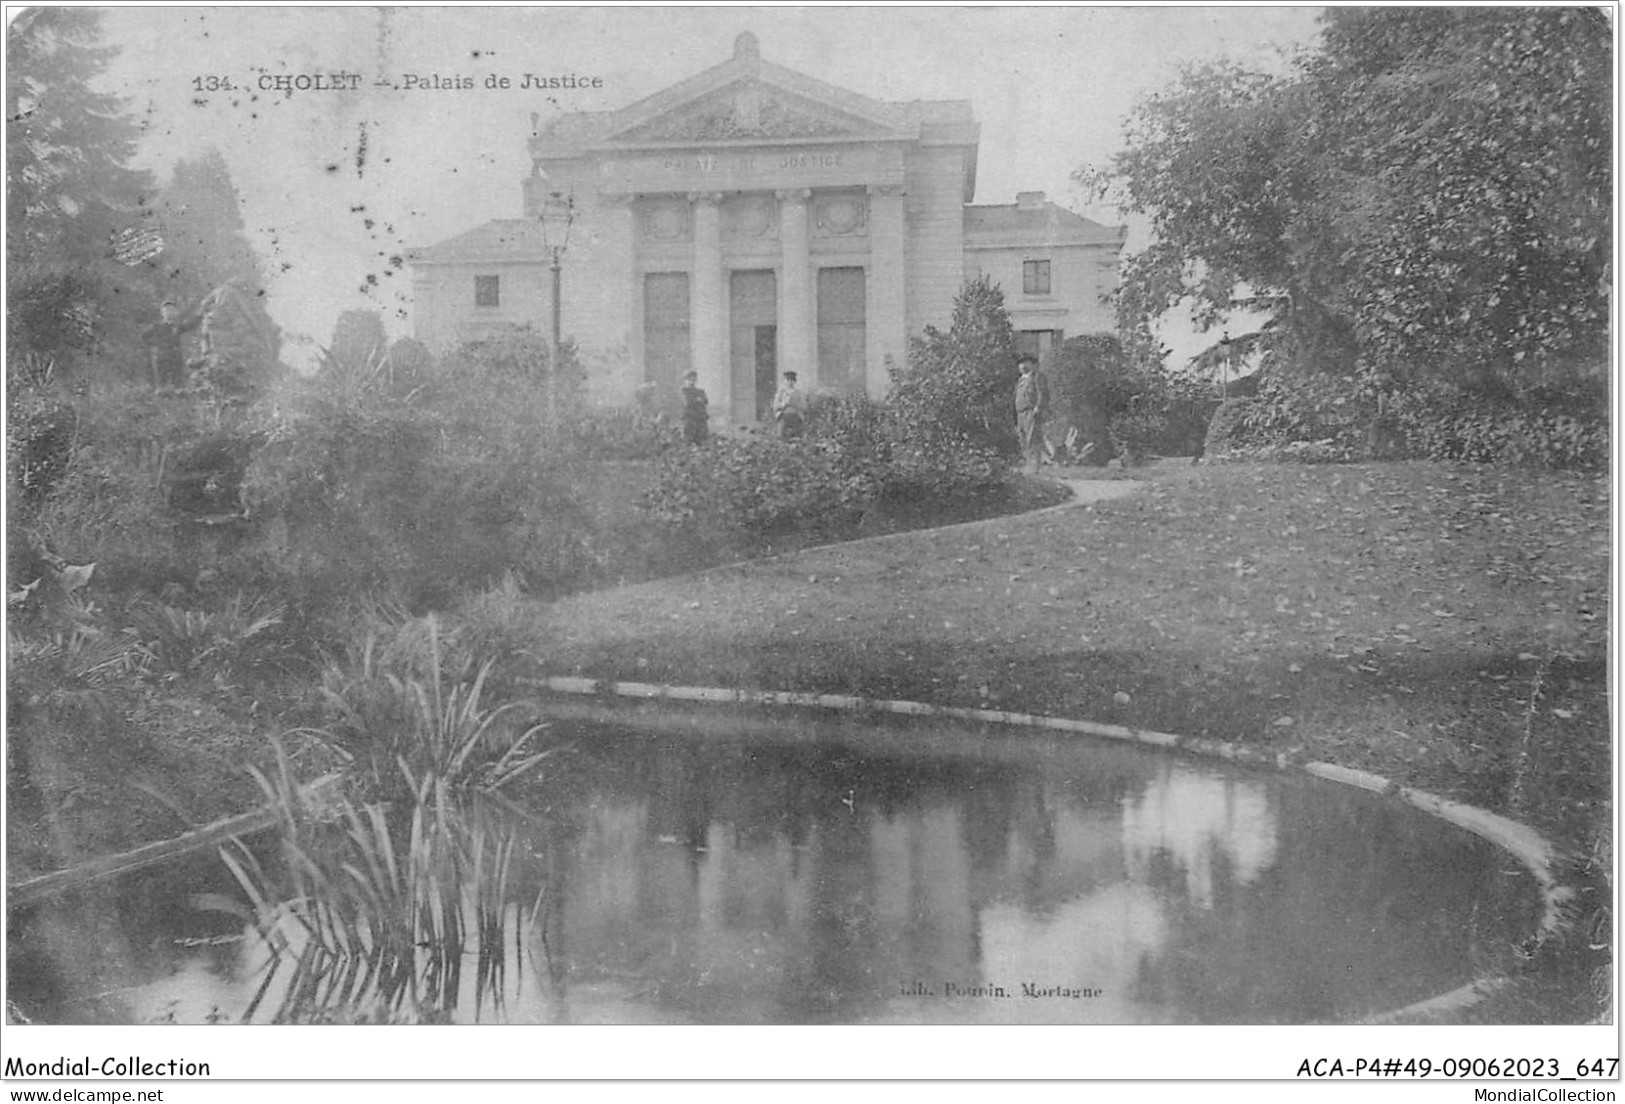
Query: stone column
point(885, 323)
point(796, 306)
point(708, 306)
point(617, 294)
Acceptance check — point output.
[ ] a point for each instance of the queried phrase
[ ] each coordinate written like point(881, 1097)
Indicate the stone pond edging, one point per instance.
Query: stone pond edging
point(1529, 847)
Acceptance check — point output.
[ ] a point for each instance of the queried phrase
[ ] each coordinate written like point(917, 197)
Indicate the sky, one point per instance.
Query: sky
point(334, 183)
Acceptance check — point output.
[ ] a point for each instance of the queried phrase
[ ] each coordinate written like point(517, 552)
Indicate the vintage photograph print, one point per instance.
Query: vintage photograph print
point(809, 516)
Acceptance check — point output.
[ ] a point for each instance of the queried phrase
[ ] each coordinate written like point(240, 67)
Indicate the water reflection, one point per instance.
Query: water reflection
point(938, 879)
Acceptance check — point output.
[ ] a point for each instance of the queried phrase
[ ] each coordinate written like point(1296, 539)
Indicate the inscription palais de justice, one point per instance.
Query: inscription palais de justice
point(749, 162)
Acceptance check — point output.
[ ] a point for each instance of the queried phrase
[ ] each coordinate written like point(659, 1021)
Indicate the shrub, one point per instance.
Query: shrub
point(619, 433)
point(938, 469)
point(1322, 418)
point(757, 486)
point(418, 502)
point(1223, 438)
point(1295, 406)
point(961, 383)
point(191, 640)
point(41, 435)
point(105, 499)
point(1091, 382)
point(358, 337)
point(51, 312)
point(518, 360)
point(409, 358)
point(1188, 407)
point(1137, 434)
point(855, 454)
point(1440, 421)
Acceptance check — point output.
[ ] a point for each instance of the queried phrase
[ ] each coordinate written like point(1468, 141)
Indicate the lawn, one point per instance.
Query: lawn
point(1444, 626)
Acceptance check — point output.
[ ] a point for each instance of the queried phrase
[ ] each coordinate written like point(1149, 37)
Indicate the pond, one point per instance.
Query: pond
point(754, 870)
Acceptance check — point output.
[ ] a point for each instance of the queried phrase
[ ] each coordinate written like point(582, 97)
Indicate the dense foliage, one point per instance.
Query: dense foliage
point(1427, 195)
point(358, 338)
point(960, 384)
point(73, 201)
point(1092, 381)
point(418, 489)
point(1319, 417)
point(855, 456)
point(1108, 405)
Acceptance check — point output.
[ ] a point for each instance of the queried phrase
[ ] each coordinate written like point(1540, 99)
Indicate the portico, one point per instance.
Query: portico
point(745, 222)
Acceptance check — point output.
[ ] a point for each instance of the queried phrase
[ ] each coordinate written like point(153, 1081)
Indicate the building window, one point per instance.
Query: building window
point(842, 306)
point(1035, 277)
point(487, 291)
point(666, 353)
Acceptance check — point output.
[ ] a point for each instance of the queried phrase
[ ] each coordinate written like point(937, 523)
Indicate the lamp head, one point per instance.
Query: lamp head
point(558, 212)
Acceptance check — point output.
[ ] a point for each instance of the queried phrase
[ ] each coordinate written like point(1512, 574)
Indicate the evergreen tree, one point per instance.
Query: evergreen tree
point(72, 197)
point(358, 339)
point(962, 382)
point(204, 243)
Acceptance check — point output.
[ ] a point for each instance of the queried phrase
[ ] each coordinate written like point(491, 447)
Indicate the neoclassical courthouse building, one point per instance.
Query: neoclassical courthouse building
point(750, 221)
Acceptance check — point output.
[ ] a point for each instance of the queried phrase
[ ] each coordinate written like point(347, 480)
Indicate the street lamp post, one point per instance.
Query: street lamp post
point(558, 212)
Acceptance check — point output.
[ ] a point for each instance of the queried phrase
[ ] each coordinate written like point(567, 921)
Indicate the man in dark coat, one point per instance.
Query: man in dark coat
point(165, 354)
point(696, 414)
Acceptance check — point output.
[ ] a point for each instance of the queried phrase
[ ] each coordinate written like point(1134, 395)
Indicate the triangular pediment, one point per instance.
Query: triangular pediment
point(751, 110)
point(747, 99)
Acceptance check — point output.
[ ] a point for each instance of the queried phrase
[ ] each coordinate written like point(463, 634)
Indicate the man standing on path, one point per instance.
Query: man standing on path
point(163, 341)
point(789, 408)
point(1032, 406)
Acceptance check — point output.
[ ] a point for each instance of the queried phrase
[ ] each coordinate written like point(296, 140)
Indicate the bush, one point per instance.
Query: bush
point(753, 489)
point(410, 359)
point(759, 486)
point(1137, 434)
point(1324, 418)
point(41, 435)
point(105, 498)
point(1091, 382)
point(422, 495)
point(1224, 430)
point(961, 384)
point(519, 359)
point(52, 313)
point(1443, 422)
point(619, 433)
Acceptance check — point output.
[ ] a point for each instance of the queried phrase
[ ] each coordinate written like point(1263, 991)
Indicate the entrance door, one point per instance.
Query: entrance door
point(753, 306)
point(767, 372)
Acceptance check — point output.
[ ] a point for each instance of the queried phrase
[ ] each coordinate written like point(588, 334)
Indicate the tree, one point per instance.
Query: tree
point(1429, 193)
point(204, 243)
point(71, 194)
point(961, 383)
point(358, 338)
